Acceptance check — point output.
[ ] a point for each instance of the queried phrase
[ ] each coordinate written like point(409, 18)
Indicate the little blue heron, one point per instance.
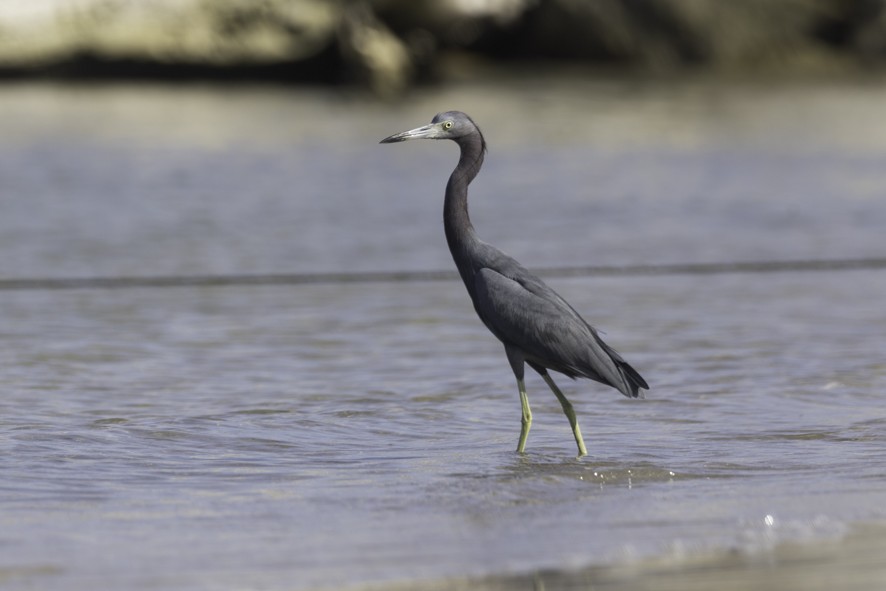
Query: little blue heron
point(535, 324)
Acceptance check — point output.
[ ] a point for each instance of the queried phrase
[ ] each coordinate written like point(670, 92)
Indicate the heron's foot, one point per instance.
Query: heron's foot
point(576, 430)
point(582, 450)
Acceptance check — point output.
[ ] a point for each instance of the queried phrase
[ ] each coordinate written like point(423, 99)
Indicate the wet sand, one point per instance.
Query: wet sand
point(852, 562)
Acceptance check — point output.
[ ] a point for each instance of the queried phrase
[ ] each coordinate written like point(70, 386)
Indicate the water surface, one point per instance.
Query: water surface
point(324, 436)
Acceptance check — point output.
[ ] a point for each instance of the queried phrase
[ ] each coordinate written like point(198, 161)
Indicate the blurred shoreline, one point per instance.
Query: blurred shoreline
point(389, 46)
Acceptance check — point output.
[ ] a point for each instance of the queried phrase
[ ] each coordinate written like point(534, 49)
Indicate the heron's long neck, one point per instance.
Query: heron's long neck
point(459, 231)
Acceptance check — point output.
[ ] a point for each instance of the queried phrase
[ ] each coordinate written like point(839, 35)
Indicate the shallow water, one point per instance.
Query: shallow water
point(296, 437)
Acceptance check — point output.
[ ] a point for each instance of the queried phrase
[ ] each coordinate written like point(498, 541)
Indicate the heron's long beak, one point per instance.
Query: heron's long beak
point(429, 131)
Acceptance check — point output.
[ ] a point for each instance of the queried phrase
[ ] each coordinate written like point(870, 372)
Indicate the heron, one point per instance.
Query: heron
point(537, 327)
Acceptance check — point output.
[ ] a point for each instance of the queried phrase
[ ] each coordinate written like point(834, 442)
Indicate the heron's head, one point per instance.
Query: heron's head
point(451, 125)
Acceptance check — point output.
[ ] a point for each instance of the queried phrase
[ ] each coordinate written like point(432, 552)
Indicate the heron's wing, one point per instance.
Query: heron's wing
point(523, 312)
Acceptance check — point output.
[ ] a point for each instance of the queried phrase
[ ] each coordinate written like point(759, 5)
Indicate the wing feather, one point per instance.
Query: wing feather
point(525, 313)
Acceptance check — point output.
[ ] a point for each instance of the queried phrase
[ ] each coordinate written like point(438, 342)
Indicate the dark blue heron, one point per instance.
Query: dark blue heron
point(536, 325)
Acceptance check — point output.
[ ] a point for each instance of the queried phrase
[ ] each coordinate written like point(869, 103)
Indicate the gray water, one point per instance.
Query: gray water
point(343, 435)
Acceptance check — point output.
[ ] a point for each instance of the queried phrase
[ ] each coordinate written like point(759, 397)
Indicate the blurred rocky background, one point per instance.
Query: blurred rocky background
point(389, 45)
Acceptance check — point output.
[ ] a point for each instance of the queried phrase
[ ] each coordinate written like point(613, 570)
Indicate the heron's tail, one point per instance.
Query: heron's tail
point(631, 382)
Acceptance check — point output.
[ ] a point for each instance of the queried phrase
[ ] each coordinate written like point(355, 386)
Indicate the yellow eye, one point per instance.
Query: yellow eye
point(447, 125)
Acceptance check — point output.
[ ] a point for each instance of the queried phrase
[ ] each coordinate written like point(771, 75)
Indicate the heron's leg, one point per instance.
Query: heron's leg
point(570, 413)
point(516, 359)
point(526, 420)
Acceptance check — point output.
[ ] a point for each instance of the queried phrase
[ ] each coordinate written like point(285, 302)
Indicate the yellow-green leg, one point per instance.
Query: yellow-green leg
point(570, 414)
point(526, 419)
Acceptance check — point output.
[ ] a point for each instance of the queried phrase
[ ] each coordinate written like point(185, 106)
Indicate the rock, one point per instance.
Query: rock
point(375, 55)
point(213, 32)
